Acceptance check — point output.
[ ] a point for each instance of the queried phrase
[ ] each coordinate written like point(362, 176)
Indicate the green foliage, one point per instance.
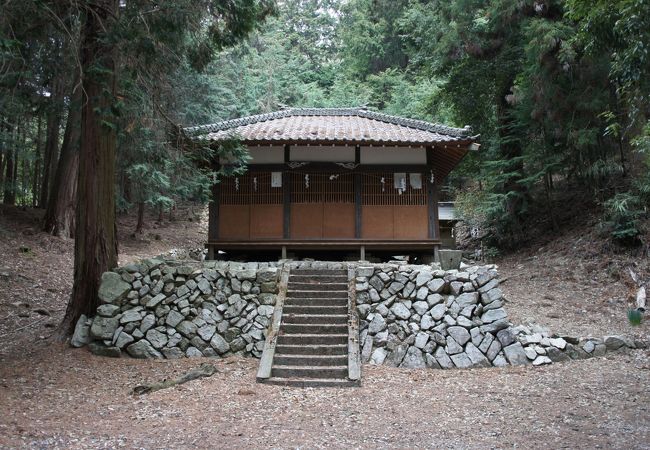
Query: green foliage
point(634, 316)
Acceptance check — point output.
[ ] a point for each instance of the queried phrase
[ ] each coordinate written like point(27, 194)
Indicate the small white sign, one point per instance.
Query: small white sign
point(276, 179)
point(399, 180)
point(416, 180)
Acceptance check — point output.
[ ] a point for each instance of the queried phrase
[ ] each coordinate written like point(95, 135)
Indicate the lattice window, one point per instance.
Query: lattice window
point(379, 189)
point(251, 188)
point(322, 187)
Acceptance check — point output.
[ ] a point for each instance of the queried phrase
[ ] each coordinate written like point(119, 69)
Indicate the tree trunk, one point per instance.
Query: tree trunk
point(60, 214)
point(51, 141)
point(10, 191)
point(96, 233)
point(140, 224)
point(37, 162)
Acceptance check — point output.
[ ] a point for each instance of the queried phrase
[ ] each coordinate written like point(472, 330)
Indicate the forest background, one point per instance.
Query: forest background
point(557, 89)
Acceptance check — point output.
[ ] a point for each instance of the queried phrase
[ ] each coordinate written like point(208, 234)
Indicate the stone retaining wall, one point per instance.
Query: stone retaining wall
point(172, 309)
point(416, 316)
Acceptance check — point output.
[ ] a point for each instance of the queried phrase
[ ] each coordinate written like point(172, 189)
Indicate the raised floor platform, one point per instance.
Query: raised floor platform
point(320, 244)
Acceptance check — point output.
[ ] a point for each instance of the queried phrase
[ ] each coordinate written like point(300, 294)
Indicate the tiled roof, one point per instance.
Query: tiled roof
point(330, 125)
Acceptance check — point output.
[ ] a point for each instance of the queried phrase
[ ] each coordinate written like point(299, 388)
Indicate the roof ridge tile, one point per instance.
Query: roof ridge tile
point(198, 131)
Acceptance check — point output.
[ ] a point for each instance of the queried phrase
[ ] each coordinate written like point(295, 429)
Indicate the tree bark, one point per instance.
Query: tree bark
point(96, 233)
point(37, 162)
point(10, 185)
point(60, 214)
point(50, 153)
point(140, 225)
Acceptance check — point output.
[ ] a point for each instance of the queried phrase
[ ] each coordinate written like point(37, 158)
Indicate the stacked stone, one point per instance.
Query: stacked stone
point(173, 309)
point(418, 316)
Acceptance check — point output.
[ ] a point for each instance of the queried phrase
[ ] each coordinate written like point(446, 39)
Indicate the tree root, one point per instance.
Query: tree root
point(203, 371)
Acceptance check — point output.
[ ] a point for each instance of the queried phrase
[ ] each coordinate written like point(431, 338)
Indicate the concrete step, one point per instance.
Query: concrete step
point(320, 272)
point(309, 308)
point(319, 278)
point(316, 293)
point(309, 371)
point(331, 302)
point(312, 339)
point(312, 382)
point(331, 349)
point(315, 318)
point(310, 360)
point(317, 328)
point(329, 287)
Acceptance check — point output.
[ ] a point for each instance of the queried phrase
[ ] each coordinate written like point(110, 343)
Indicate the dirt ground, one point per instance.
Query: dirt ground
point(52, 396)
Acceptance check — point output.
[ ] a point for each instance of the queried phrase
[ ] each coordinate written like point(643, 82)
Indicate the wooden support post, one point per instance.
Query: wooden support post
point(362, 253)
point(283, 254)
point(286, 190)
point(432, 199)
point(358, 180)
point(213, 215)
point(286, 210)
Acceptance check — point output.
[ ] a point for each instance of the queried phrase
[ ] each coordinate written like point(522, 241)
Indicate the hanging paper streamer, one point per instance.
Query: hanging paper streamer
point(334, 177)
point(255, 183)
point(383, 184)
point(432, 178)
point(402, 185)
point(306, 181)
point(237, 184)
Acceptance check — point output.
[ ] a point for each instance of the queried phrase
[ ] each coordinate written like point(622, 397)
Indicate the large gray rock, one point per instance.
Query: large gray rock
point(157, 339)
point(204, 286)
point(493, 350)
point(421, 307)
point(267, 275)
point(173, 353)
point(235, 309)
point(108, 310)
point(427, 322)
point(460, 334)
point(476, 356)
point(378, 356)
point(130, 315)
point(506, 337)
point(206, 332)
point(103, 328)
point(397, 356)
point(143, 350)
point(174, 318)
point(423, 278)
point(421, 340)
point(219, 344)
point(147, 322)
point(467, 299)
point(493, 315)
point(123, 339)
point(515, 354)
point(461, 360)
point(438, 311)
point(413, 359)
point(443, 359)
point(112, 289)
point(187, 329)
point(377, 324)
point(81, 335)
point(436, 285)
point(156, 300)
point(400, 310)
point(452, 346)
point(491, 296)
point(99, 349)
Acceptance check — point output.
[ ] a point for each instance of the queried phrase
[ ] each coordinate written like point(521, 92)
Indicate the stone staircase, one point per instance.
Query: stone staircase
point(312, 344)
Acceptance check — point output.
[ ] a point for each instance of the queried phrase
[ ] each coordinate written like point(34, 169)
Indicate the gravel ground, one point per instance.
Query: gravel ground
point(52, 396)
